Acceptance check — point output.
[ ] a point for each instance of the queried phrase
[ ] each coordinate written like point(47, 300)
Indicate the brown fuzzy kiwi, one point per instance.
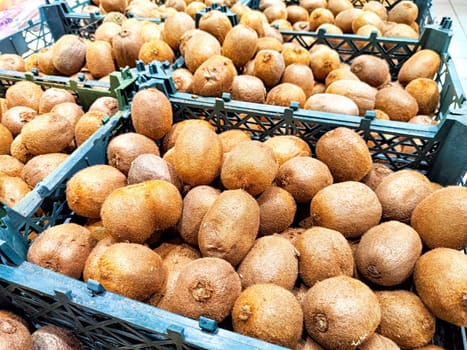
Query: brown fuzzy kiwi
point(198, 155)
point(97, 230)
point(62, 248)
point(310, 5)
point(13, 315)
point(10, 61)
point(269, 66)
point(132, 270)
point(405, 319)
point(255, 20)
point(378, 341)
point(105, 104)
point(397, 103)
point(88, 188)
point(230, 226)
point(272, 259)
point(323, 60)
point(169, 139)
point(323, 253)
point(124, 148)
point(387, 253)
point(248, 88)
point(31, 62)
point(205, 287)
point(329, 309)
point(151, 113)
point(24, 93)
point(286, 147)
point(399, 30)
point(337, 6)
point(113, 6)
point(275, 12)
point(400, 192)
point(199, 49)
point(69, 110)
point(156, 50)
point(214, 76)
point(47, 133)
point(53, 96)
point(125, 47)
point(268, 43)
point(183, 80)
point(426, 93)
point(99, 58)
point(187, 36)
point(284, 94)
point(240, 45)
point(19, 151)
point(87, 125)
point(377, 174)
point(14, 335)
point(360, 92)
point(194, 7)
point(12, 190)
point(296, 13)
point(439, 218)
point(351, 208)
point(403, 12)
point(370, 69)
point(300, 75)
point(175, 26)
point(378, 8)
point(251, 166)
point(231, 138)
point(422, 64)
point(345, 153)
point(45, 61)
point(91, 270)
point(106, 31)
point(69, 54)
point(196, 203)
point(149, 166)
point(16, 117)
point(319, 16)
point(36, 169)
point(57, 337)
point(303, 177)
point(308, 344)
point(151, 31)
point(216, 23)
point(341, 73)
point(331, 103)
point(440, 279)
point(6, 138)
point(430, 347)
point(345, 18)
point(10, 166)
point(277, 210)
point(366, 31)
point(295, 54)
point(270, 313)
point(367, 17)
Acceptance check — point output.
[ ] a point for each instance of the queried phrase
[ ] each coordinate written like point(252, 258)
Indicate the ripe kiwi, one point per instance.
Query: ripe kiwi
point(91, 270)
point(6, 138)
point(62, 248)
point(378, 8)
point(275, 11)
point(69, 54)
point(350, 207)
point(422, 64)
point(300, 75)
point(14, 335)
point(426, 93)
point(196, 203)
point(270, 313)
point(286, 147)
point(308, 344)
point(169, 139)
point(367, 17)
point(377, 174)
point(216, 23)
point(149, 166)
point(294, 53)
point(125, 47)
point(156, 50)
point(254, 19)
point(341, 73)
point(10, 61)
point(284, 94)
point(337, 6)
point(183, 80)
point(50, 336)
point(105, 104)
point(13, 315)
point(323, 60)
point(113, 6)
point(196, 6)
point(106, 31)
point(329, 309)
point(268, 43)
point(69, 110)
point(197, 155)
point(439, 218)
point(319, 16)
point(240, 44)
point(296, 13)
point(277, 210)
point(269, 66)
point(45, 61)
point(397, 103)
point(303, 177)
point(199, 48)
point(124, 148)
point(151, 31)
point(400, 192)
point(323, 253)
point(360, 92)
point(88, 188)
point(99, 58)
point(175, 26)
point(378, 341)
point(370, 69)
point(19, 151)
point(214, 76)
point(10, 166)
point(37, 168)
point(47, 133)
point(87, 125)
point(230, 226)
point(387, 253)
point(248, 88)
point(331, 103)
point(405, 319)
point(251, 166)
point(24, 93)
point(53, 96)
point(430, 347)
point(345, 153)
point(345, 18)
point(12, 190)
point(403, 12)
point(16, 117)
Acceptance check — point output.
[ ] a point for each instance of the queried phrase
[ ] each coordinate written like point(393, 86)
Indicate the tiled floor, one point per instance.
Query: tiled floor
point(457, 10)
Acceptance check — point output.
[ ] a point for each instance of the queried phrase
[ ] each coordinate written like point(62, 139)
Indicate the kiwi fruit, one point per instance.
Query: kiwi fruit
point(199, 48)
point(14, 335)
point(269, 65)
point(90, 270)
point(426, 93)
point(345, 18)
point(99, 58)
point(337, 6)
point(284, 94)
point(68, 110)
point(378, 8)
point(57, 337)
point(248, 88)
point(308, 344)
point(277, 210)
point(106, 31)
point(341, 73)
point(148, 166)
point(345, 153)
point(24, 93)
point(296, 13)
point(53, 96)
point(97, 229)
point(331, 103)
point(216, 23)
point(377, 174)
point(6, 138)
point(183, 80)
point(196, 203)
point(105, 104)
point(286, 147)
point(87, 125)
point(360, 92)
point(12, 190)
point(370, 69)
point(124, 148)
point(169, 139)
point(69, 54)
point(350, 207)
point(231, 138)
point(151, 113)
point(430, 347)
point(323, 60)
point(229, 228)
point(63, 248)
point(387, 253)
point(175, 26)
point(268, 43)
point(126, 46)
point(39, 167)
point(194, 7)
point(10, 61)
point(405, 319)
point(439, 218)
point(88, 188)
point(250, 165)
point(254, 19)
point(156, 50)
point(422, 64)
point(367, 17)
point(377, 342)
point(13, 315)
point(268, 312)
point(323, 253)
point(295, 54)
point(403, 12)
point(19, 151)
point(399, 104)
point(319, 16)
point(15, 118)
point(10, 166)
point(300, 75)
point(214, 76)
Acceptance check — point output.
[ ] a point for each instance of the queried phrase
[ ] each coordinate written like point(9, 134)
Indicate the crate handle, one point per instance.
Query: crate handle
point(207, 324)
point(94, 287)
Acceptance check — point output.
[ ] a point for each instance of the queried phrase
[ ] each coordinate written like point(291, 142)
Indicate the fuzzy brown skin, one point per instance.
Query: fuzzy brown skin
point(91, 266)
point(230, 226)
point(125, 47)
point(268, 43)
point(430, 347)
point(387, 253)
point(440, 218)
point(214, 76)
point(151, 113)
point(319, 16)
point(16, 117)
point(377, 173)
point(52, 97)
point(268, 312)
point(358, 91)
point(196, 203)
point(11, 315)
point(308, 344)
point(336, 6)
point(296, 13)
point(69, 110)
point(269, 66)
point(440, 279)
point(199, 49)
point(370, 69)
point(175, 26)
point(24, 93)
point(6, 138)
point(349, 207)
point(89, 187)
point(377, 8)
point(272, 259)
point(323, 253)
point(10, 166)
point(329, 308)
point(124, 148)
point(292, 233)
point(300, 75)
point(216, 23)
point(105, 104)
point(240, 44)
point(106, 31)
point(295, 54)
point(36, 169)
point(406, 12)
point(251, 166)
point(169, 139)
point(254, 19)
point(367, 17)
point(248, 88)
point(12, 190)
point(286, 147)
point(99, 59)
point(87, 125)
point(69, 54)
point(148, 166)
point(340, 74)
point(332, 103)
point(285, 93)
point(14, 62)
point(422, 64)
point(323, 61)
point(277, 210)
point(345, 153)
point(205, 287)
point(405, 319)
point(53, 337)
point(198, 155)
point(45, 61)
point(426, 93)
point(14, 335)
point(183, 80)
point(156, 50)
point(378, 342)
point(345, 18)
point(231, 138)
point(63, 248)
point(397, 103)
point(18, 150)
